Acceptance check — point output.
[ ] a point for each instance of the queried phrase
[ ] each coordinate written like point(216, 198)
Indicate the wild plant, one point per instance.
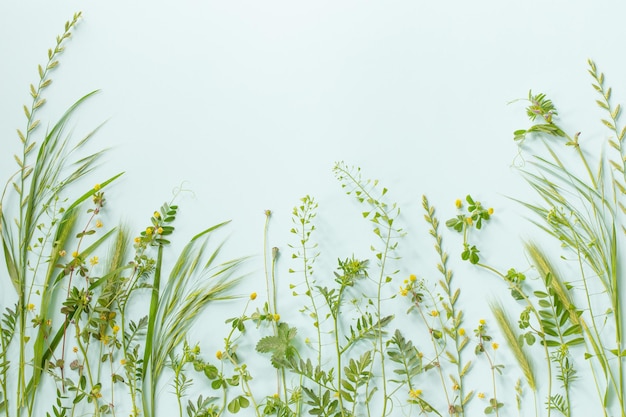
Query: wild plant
point(443, 319)
point(36, 225)
point(584, 210)
point(71, 320)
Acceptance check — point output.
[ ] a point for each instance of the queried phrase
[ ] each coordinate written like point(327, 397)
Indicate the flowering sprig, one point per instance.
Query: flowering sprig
point(484, 347)
point(476, 215)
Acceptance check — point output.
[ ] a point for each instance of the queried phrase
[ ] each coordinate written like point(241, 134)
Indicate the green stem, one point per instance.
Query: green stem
point(537, 317)
point(338, 349)
point(437, 362)
point(148, 365)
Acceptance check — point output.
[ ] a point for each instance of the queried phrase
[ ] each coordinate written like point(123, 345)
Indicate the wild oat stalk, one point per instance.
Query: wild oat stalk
point(194, 283)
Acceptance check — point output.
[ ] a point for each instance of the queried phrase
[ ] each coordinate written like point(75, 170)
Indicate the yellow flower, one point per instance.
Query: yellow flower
point(434, 313)
point(276, 396)
point(495, 346)
point(160, 230)
point(149, 230)
point(412, 278)
point(62, 253)
point(414, 393)
point(307, 340)
point(482, 321)
point(75, 349)
point(30, 307)
point(458, 203)
point(456, 387)
point(469, 221)
point(116, 329)
point(276, 317)
point(75, 254)
point(137, 239)
point(481, 395)
point(461, 332)
point(218, 354)
point(94, 261)
point(157, 215)
point(253, 296)
point(404, 291)
point(490, 211)
point(98, 223)
point(122, 361)
point(96, 187)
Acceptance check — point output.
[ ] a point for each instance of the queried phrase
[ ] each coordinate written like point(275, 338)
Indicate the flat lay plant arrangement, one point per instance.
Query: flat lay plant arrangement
point(74, 341)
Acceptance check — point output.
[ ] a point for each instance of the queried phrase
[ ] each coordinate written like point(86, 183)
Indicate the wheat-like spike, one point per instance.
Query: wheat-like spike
point(508, 331)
